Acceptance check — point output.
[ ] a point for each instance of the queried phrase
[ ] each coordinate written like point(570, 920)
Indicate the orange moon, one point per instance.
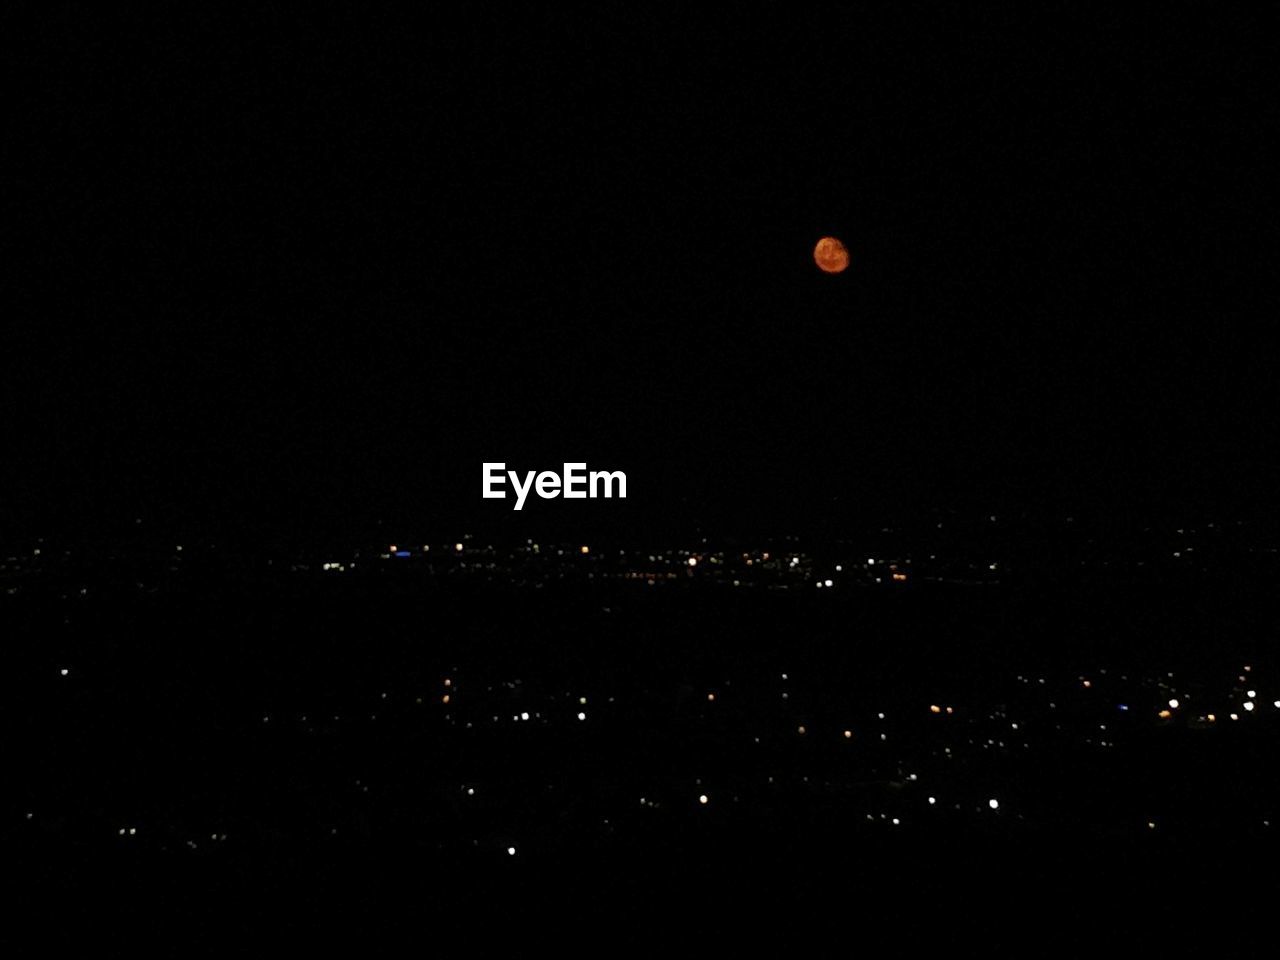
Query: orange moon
point(830, 255)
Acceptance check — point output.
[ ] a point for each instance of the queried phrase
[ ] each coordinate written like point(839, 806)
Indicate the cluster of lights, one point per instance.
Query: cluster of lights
point(1173, 704)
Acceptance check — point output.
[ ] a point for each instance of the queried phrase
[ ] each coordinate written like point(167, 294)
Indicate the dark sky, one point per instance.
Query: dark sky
point(308, 273)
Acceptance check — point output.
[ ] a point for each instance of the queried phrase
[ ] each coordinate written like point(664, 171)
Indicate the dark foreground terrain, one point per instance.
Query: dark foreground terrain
point(226, 750)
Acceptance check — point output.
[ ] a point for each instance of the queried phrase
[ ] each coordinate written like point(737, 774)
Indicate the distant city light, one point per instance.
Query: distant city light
point(1173, 704)
point(511, 851)
point(702, 798)
point(993, 803)
point(1248, 705)
point(64, 671)
point(582, 716)
point(828, 583)
point(457, 548)
point(693, 561)
point(585, 550)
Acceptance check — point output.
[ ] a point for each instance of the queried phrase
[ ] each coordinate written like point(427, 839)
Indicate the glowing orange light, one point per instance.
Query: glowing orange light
point(934, 708)
point(1164, 714)
point(830, 255)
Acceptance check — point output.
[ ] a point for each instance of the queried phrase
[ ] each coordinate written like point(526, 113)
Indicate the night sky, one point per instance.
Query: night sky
point(297, 274)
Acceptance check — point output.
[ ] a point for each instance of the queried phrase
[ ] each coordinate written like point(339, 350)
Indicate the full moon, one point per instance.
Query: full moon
point(830, 255)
